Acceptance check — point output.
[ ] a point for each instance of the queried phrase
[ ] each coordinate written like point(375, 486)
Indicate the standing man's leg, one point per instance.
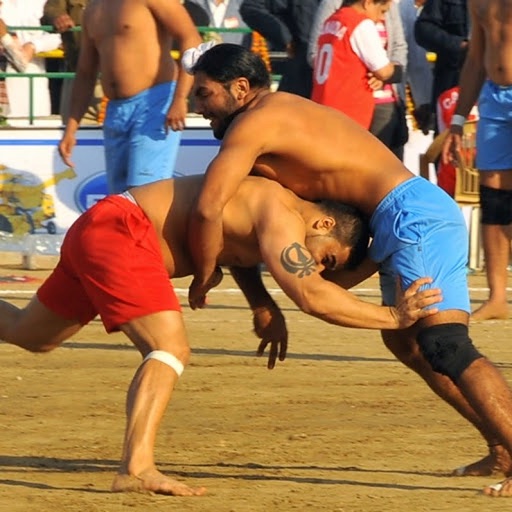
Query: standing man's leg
point(496, 203)
point(405, 348)
point(494, 161)
point(161, 339)
point(439, 248)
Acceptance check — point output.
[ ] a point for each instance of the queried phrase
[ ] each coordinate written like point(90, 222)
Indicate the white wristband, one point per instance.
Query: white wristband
point(458, 120)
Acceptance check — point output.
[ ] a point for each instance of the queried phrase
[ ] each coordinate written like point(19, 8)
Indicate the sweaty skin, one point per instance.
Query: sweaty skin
point(489, 57)
point(262, 222)
point(311, 160)
point(319, 153)
point(253, 232)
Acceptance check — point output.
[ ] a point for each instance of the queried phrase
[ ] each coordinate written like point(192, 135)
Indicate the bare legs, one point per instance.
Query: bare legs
point(147, 400)
point(37, 329)
point(403, 345)
point(486, 390)
point(496, 245)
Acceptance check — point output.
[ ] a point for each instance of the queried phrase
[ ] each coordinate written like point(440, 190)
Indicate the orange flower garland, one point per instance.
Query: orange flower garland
point(102, 109)
point(409, 104)
point(260, 47)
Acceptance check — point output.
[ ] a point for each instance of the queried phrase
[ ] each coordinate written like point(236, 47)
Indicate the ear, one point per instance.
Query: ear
point(241, 88)
point(324, 224)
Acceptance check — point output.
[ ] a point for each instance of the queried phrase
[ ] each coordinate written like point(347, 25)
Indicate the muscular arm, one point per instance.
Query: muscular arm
point(473, 72)
point(268, 320)
point(472, 77)
point(85, 79)
point(83, 87)
point(176, 20)
point(349, 278)
point(281, 236)
point(250, 282)
point(241, 146)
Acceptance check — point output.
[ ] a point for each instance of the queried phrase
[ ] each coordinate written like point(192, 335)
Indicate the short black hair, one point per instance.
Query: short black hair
point(351, 229)
point(226, 62)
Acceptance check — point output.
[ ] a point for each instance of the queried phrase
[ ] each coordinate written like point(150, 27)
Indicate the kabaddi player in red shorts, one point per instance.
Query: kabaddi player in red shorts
point(116, 261)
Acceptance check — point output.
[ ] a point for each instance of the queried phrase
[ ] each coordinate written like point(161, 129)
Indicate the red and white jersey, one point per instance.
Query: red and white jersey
point(349, 46)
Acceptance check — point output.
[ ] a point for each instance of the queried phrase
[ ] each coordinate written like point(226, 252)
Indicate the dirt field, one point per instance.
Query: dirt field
point(339, 426)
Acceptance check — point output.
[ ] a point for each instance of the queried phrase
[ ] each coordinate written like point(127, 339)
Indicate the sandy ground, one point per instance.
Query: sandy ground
point(339, 426)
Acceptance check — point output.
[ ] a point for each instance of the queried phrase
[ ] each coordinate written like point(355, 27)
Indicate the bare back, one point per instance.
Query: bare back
point(316, 151)
point(168, 203)
point(495, 19)
point(133, 45)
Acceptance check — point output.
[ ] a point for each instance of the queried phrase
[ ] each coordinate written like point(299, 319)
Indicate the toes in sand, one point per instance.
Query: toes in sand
point(154, 482)
point(490, 311)
point(501, 489)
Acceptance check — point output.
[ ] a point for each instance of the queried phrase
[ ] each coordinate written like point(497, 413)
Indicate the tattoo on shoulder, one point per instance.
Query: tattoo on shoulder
point(296, 259)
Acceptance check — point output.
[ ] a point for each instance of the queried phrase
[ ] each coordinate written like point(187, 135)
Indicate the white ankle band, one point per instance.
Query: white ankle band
point(166, 358)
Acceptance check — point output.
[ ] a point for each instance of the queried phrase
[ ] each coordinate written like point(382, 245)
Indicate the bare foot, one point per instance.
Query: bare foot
point(503, 489)
point(497, 462)
point(153, 481)
point(489, 311)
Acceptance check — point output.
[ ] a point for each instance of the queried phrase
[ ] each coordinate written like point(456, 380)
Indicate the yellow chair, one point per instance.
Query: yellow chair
point(467, 192)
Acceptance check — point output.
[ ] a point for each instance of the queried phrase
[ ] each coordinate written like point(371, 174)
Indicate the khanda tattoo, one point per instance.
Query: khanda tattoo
point(296, 259)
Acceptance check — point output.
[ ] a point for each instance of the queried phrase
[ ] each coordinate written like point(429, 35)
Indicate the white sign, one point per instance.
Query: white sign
point(38, 194)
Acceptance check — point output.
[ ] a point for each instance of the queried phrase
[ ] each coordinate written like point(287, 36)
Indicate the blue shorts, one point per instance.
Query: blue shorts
point(494, 131)
point(419, 231)
point(137, 148)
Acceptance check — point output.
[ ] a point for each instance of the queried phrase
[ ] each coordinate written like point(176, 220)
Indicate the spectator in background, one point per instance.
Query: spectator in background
point(349, 48)
point(486, 77)
point(225, 14)
point(325, 9)
point(64, 15)
point(130, 42)
point(197, 13)
point(26, 44)
point(419, 71)
point(389, 123)
point(287, 26)
point(443, 27)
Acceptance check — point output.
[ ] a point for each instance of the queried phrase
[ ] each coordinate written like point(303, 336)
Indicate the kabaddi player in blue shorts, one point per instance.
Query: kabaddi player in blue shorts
point(418, 231)
point(486, 77)
point(129, 43)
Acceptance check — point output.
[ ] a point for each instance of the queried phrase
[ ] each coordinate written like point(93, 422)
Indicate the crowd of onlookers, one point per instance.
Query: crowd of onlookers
point(292, 32)
point(367, 58)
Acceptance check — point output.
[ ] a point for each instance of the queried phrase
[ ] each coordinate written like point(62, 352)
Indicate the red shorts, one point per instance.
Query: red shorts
point(110, 264)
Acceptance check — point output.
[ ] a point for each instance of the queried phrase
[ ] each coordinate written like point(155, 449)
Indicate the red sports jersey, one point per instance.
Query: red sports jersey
point(340, 77)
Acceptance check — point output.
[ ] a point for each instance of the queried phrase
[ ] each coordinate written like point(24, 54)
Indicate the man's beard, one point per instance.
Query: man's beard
point(221, 129)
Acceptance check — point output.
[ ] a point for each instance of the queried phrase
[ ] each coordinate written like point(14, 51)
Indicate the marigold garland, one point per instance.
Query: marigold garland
point(102, 109)
point(260, 47)
point(409, 104)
